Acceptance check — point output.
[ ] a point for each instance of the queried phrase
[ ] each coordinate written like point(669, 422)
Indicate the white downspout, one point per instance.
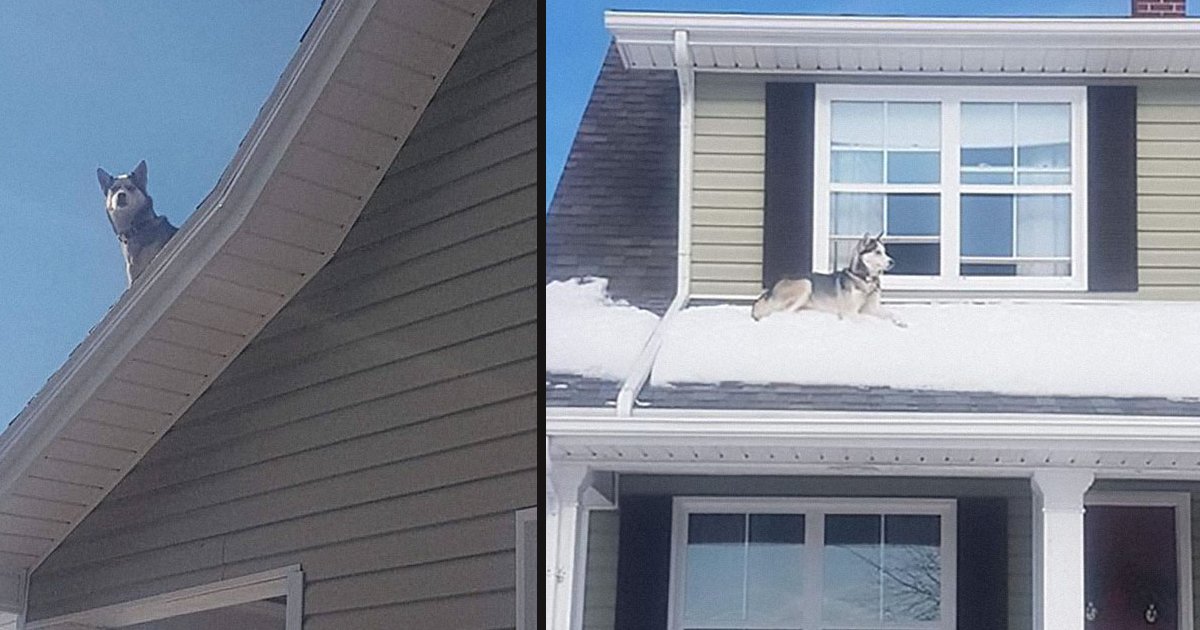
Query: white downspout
point(640, 371)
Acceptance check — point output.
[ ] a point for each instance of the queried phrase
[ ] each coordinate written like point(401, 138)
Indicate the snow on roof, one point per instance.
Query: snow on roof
point(1010, 347)
point(590, 334)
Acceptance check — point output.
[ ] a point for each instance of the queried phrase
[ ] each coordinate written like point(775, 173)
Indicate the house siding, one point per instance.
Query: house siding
point(382, 430)
point(1168, 167)
point(728, 189)
point(727, 186)
point(600, 581)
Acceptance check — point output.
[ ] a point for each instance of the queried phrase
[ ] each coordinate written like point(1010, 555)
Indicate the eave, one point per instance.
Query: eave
point(361, 79)
point(909, 46)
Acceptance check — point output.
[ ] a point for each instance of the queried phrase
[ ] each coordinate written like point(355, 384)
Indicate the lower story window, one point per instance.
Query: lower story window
point(774, 564)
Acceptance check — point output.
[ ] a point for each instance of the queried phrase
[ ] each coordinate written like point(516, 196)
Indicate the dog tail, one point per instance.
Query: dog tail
point(761, 306)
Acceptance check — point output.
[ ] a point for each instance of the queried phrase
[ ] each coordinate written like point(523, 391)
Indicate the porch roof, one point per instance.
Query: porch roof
point(876, 45)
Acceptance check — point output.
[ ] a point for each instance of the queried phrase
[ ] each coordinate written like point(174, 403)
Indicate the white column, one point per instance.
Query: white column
point(565, 542)
point(1058, 548)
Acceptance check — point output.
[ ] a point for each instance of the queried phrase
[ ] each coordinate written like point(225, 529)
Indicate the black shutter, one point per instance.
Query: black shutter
point(788, 181)
point(983, 563)
point(643, 563)
point(1112, 188)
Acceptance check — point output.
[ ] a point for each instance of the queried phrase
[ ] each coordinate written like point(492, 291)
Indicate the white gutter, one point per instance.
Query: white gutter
point(640, 371)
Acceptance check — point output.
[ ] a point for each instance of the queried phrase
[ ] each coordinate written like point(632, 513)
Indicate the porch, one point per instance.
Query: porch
point(1035, 521)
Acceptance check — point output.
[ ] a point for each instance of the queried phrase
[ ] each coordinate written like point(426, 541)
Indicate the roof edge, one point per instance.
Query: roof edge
point(204, 233)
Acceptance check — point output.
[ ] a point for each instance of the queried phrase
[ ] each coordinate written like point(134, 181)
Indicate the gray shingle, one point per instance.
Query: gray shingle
point(614, 212)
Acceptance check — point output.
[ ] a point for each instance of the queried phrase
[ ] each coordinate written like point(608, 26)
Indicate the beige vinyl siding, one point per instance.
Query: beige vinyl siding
point(382, 430)
point(600, 583)
point(727, 186)
point(1168, 166)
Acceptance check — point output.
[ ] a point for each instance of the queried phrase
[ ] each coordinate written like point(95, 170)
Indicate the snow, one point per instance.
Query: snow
point(1031, 348)
point(589, 333)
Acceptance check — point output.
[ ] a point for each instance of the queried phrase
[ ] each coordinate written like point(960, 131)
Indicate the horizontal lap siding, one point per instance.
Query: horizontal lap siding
point(381, 432)
point(727, 186)
point(1168, 193)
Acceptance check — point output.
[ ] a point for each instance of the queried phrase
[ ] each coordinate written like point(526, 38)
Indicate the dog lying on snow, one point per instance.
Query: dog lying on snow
point(131, 212)
point(852, 290)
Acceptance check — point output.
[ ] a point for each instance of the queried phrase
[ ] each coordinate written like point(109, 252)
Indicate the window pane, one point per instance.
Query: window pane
point(987, 177)
point(913, 167)
point(716, 557)
point(987, 134)
point(987, 225)
point(853, 558)
point(1044, 135)
point(855, 214)
point(982, 269)
point(912, 568)
point(1043, 269)
point(915, 259)
point(775, 571)
point(913, 215)
point(857, 167)
point(1043, 225)
point(1026, 177)
point(914, 126)
point(840, 252)
point(856, 124)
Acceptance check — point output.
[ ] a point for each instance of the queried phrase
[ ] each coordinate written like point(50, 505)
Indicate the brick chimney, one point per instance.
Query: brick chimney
point(1159, 8)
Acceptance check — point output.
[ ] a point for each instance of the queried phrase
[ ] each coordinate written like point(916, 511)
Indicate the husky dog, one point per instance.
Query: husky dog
point(131, 212)
point(852, 290)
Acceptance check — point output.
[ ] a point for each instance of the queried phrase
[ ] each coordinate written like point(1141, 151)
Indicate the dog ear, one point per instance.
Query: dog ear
point(863, 242)
point(139, 175)
point(105, 180)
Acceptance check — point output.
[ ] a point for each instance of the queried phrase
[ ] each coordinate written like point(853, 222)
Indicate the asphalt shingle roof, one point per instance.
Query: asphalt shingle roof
point(614, 212)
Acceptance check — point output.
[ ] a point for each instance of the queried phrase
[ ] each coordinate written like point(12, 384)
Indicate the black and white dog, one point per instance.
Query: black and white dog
point(852, 290)
point(131, 211)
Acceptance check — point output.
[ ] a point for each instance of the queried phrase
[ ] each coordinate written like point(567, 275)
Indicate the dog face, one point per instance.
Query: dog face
point(124, 195)
point(873, 254)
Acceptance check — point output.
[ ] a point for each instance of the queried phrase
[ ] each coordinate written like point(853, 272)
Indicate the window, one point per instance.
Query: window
point(527, 569)
point(819, 564)
point(971, 187)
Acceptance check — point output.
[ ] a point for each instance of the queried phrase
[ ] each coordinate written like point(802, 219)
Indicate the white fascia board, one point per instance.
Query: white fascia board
point(889, 429)
point(1162, 39)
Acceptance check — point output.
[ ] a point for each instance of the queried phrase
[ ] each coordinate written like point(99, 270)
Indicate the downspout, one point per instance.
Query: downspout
point(640, 370)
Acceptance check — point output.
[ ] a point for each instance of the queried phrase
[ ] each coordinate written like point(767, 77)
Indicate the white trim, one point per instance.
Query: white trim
point(283, 582)
point(814, 511)
point(523, 519)
point(926, 46)
point(950, 189)
point(1181, 502)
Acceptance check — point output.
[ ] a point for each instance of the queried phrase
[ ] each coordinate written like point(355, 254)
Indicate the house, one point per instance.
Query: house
point(315, 409)
point(1024, 456)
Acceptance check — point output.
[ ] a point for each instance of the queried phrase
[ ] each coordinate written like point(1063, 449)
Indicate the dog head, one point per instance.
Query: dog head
point(871, 254)
point(125, 196)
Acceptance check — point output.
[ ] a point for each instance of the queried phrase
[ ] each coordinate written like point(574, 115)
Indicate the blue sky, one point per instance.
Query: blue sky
point(90, 83)
point(576, 41)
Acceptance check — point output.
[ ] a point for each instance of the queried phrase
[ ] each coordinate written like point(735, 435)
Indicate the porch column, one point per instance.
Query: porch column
point(1058, 548)
point(565, 546)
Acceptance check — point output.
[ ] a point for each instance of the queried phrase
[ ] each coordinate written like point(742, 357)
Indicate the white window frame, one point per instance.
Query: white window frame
point(524, 518)
point(950, 187)
point(814, 511)
point(283, 582)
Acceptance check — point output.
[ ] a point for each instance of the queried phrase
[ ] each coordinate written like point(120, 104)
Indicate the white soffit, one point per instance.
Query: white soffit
point(1119, 47)
point(362, 77)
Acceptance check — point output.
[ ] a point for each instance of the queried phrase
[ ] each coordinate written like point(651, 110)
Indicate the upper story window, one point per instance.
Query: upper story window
point(971, 187)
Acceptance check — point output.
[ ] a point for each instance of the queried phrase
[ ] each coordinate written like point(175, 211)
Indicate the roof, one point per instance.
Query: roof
point(958, 46)
point(602, 213)
point(615, 211)
point(342, 108)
